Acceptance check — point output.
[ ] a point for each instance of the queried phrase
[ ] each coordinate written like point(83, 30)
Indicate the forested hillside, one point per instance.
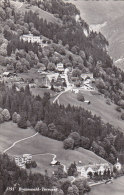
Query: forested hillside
point(71, 34)
point(69, 41)
point(76, 126)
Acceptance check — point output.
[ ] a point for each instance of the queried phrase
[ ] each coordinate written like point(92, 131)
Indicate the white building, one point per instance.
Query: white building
point(90, 170)
point(27, 157)
point(118, 165)
point(101, 169)
point(76, 91)
point(53, 76)
point(31, 38)
point(83, 172)
point(60, 67)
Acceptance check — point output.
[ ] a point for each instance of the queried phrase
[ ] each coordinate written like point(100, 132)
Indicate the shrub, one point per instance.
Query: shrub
point(42, 128)
point(34, 164)
point(22, 123)
point(85, 142)
point(14, 117)
point(108, 102)
point(121, 103)
point(76, 137)
point(6, 115)
point(118, 108)
point(28, 165)
point(68, 143)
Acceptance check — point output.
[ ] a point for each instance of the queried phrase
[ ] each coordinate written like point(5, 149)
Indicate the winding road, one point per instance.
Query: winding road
point(60, 95)
point(41, 154)
point(19, 142)
point(54, 159)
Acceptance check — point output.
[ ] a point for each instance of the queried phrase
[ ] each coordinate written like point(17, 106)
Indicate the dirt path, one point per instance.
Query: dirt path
point(54, 158)
point(19, 142)
point(54, 155)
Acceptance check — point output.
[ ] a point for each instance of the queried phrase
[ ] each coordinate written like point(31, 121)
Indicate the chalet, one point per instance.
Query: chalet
point(60, 67)
point(55, 162)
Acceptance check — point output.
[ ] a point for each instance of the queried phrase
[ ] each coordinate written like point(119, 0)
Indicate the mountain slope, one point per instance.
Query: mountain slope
point(97, 13)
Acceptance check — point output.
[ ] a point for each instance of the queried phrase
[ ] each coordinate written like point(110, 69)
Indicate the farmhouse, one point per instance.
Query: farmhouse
point(55, 162)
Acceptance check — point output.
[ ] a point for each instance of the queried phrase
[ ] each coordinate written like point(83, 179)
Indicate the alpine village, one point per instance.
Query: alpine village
point(61, 102)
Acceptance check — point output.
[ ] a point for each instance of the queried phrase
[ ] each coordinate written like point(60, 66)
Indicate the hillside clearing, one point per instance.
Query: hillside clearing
point(42, 145)
point(98, 106)
point(23, 7)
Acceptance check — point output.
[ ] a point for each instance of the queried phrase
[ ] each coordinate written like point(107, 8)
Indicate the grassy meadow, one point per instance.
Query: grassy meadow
point(22, 7)
point(37, 145)
point(9, 133)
